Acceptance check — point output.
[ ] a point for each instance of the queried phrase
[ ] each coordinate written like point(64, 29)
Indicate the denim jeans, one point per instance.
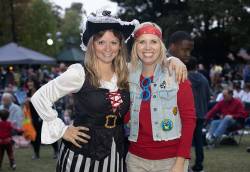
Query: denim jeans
point(219, 127)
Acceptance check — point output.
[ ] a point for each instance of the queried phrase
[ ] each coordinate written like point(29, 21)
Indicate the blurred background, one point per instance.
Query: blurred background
point(41, 38)
point(220, 28)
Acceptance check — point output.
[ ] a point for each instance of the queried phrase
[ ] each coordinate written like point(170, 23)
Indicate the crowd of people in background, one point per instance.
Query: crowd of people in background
point(13, 79)
point(22, 82)
point(18, 84)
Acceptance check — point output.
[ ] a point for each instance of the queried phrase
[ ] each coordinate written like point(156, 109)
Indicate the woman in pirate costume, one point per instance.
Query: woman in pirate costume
point(95, 140)
point(94, 143)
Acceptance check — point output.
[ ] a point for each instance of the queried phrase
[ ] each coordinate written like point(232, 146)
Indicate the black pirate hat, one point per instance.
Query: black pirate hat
point(104, 21)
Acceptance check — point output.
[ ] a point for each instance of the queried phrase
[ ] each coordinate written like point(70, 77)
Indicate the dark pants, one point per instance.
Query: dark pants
point(37, 142)
point(198, 142)
point(9, 150)
point(55, 147)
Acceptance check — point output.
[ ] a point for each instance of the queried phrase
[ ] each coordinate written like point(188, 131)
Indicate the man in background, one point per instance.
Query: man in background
point(16, 113)
point(181, 46)
point(229, 112)
point(201, 92)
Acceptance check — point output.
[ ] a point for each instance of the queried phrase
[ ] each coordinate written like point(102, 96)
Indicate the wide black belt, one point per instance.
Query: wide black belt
point(108, 121)
point(102, 132)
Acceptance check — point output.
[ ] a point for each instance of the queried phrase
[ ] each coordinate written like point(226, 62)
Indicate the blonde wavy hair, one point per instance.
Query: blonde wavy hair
point(135, 60)
point(119, 62)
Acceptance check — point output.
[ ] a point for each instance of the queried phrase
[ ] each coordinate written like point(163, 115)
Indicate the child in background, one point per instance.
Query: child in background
point(6, 138)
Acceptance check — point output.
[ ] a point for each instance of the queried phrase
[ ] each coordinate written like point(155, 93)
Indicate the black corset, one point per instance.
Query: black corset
point(93, 109)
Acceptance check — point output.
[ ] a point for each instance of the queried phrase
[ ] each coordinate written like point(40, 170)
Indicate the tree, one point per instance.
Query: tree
point(57, 13)
point(71, 24)
point(27, 22)
point(39, 20)
point(222, 23)
point(11, 19)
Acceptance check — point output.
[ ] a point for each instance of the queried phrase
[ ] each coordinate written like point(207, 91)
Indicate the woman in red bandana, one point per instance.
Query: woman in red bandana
point(162, 115)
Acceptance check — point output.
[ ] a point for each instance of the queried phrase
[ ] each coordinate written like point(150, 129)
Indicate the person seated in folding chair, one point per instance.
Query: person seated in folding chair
point(230, 112)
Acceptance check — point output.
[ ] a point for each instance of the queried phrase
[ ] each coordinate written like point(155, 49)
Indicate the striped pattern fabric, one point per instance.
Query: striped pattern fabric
point(70, 162)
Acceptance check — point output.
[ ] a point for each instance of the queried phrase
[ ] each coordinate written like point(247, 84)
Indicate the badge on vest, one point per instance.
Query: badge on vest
point(175, 110)
point(167, 124)
point(166, 83)
point(163, 84)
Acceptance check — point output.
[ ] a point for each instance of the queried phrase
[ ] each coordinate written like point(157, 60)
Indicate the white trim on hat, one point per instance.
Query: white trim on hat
point(100, 18)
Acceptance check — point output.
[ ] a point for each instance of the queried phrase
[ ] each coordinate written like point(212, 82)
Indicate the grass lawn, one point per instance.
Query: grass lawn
point(25, 164)
point(220, 159)
point(228, 158)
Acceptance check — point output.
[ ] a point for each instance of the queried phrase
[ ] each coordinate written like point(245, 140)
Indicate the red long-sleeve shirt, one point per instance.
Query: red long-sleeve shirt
point(5, 132)
point(147, 148)
point(233, 107)
point(5, 129)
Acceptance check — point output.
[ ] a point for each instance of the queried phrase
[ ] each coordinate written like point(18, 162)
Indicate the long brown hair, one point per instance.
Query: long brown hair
point(119, 63)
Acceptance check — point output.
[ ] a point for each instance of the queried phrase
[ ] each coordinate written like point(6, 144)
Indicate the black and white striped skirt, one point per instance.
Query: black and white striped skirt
point(70, 162)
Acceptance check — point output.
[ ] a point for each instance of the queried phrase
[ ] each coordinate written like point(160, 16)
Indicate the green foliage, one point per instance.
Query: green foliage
point(231, 16)
point(32, 20)
point(197, 16)
point(71, 25)
point(6, 16)
point(39, 20)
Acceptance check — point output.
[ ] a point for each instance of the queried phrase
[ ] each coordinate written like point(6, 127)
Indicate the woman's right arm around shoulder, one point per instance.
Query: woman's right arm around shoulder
point(53, 128)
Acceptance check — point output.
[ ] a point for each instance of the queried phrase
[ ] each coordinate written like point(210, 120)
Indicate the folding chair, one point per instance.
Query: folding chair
point(240, 126)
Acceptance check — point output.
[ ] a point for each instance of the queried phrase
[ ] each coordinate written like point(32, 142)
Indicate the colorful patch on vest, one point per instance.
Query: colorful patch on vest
point(167, 124)
point(175, 110)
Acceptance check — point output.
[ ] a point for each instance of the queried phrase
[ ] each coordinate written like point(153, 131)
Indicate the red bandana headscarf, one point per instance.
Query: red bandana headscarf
point(148, 29)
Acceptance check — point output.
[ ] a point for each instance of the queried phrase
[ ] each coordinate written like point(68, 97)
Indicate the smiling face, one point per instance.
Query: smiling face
point(148, 48)
point(107, 47)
